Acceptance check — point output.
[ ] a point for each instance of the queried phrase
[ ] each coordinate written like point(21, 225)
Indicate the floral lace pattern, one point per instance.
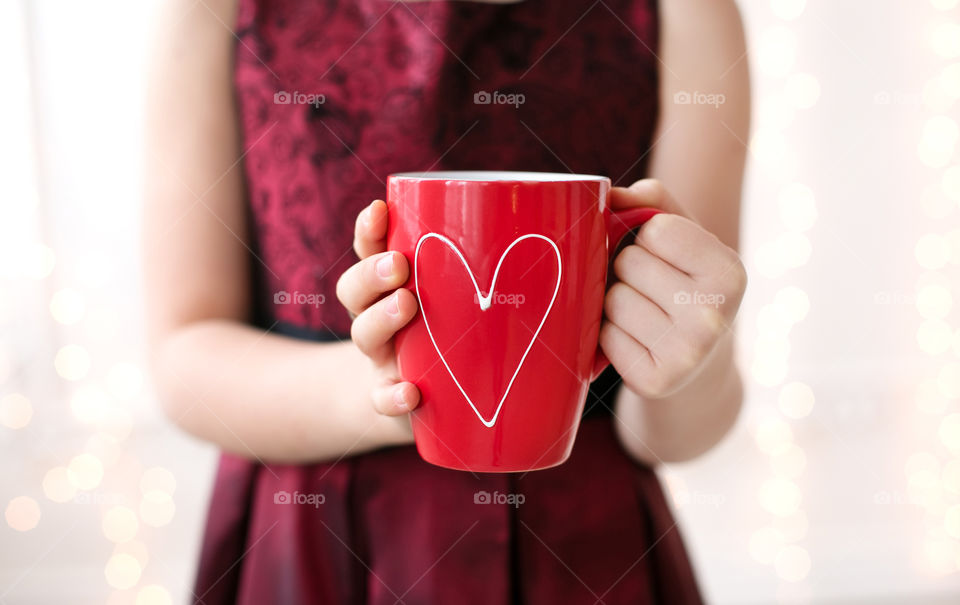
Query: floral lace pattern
point(334, 96)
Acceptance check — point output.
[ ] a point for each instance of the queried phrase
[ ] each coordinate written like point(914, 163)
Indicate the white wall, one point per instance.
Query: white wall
point(851, 498)
point(851, 237)
point(70, 321)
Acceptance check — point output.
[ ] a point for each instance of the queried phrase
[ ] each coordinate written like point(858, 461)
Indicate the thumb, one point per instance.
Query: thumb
point(645, 193)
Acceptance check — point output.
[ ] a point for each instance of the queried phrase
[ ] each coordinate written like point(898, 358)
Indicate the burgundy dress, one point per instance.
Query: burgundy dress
point(400, 85)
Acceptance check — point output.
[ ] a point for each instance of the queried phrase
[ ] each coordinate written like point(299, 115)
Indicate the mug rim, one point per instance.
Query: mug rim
point(498, 176)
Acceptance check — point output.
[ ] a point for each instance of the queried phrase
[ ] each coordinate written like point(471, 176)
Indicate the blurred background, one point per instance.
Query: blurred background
point(841, 482)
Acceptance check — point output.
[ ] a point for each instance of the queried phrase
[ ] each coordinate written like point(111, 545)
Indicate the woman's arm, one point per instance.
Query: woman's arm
point(699, 155)
point(251, 393)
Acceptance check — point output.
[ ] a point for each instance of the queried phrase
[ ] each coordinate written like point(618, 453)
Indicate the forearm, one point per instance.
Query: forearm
point(688, 422)
point(271, 397)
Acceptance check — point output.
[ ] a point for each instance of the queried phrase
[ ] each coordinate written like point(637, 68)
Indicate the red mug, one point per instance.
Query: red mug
point(510, 272)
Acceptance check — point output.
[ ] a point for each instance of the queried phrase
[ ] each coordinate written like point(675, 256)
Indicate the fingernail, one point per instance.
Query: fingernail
point(365, 217)
point(398, 400)
point(393, 305)
point(384, 266)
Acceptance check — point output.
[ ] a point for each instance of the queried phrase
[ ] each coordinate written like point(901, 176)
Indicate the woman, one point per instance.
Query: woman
point(274, 125)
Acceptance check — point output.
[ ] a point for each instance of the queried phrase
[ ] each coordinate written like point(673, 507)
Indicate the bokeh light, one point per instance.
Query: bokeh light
point(940, 133)
point(928, 397)
point(89, 404)
point(944, 5)
point(153, 595)
point(772, 348)
point(105, 447)
point(793, 526)
point(803, 90)
point(948, 380)
point(788, 9)
point(85, 471)
point(796, 249)
point(950, 183)
point(924, 490)
point(768, 371)
point(773, 435)
point(57, 486)
point(72, 362)
point(157, 508)
point(950, 80)
point(798, 207)
point(945, 39)
point(950, 479)
point(120, 597)
point(953, 240)
point(776, 114)
point(789, 462)
point(774, 321)
point(136, 549)
point(794, 301)
point(122, 571)
point(932, 251)
point(776, 51)
point(22, 513)
point(768, 146)
point(934, 301)
point(15, 411)
point(938, 555)
point(937, 141)
point(117, 423)
point(949, 431)
point(922, 462)
point(935, 203)
point(935, 97)
point(796, 400)
point(120, 524)
point(124, 380)
point(67, 306)
point(790, 250)
point(934, 336)
point(951, 521)
point(37, 261)
point(780, 497)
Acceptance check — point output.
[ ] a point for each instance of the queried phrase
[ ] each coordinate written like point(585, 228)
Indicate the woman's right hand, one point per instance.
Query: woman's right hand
point(370, 291)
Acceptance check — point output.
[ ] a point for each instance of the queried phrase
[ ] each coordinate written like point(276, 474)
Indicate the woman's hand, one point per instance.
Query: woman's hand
point(370, 291)
point(679, 288)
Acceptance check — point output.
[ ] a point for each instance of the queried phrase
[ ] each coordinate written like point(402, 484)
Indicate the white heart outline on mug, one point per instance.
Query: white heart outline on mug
point(484, 302)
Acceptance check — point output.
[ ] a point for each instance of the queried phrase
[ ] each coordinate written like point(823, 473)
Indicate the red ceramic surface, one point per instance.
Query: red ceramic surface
point(510, 270)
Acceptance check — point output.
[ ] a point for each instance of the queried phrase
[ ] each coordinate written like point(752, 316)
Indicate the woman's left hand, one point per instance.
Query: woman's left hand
point(679, 289)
